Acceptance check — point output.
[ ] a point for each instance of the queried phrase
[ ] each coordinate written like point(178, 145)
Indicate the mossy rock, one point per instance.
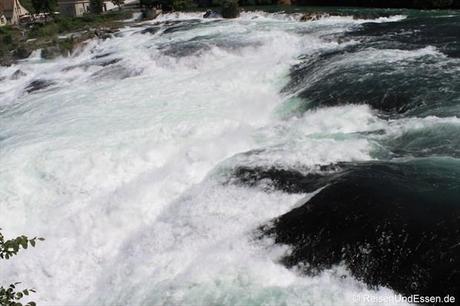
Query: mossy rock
point(21, 52)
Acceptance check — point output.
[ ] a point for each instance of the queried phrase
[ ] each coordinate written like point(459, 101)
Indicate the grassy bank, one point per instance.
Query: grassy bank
point(56, 37)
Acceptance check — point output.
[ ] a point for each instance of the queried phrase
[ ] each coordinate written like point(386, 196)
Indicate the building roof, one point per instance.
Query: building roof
point(9, 7)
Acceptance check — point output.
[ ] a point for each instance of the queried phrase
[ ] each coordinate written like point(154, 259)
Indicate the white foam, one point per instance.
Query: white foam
point(113, 173)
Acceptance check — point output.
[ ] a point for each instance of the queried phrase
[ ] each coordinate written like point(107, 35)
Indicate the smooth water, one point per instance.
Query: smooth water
point(122, 157)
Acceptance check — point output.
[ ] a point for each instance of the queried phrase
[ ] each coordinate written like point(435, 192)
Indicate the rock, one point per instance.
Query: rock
point(109, 62)
point(230, 9)
point(51, 52)
point(17, 74)
point(104, 33)
point(392, 224)
point(150, 13)
point(150, 30)
point(98, 56)
point(211, 14)
point(38, 85)
point(114, 72)
point(21, 53)
point(312, 16)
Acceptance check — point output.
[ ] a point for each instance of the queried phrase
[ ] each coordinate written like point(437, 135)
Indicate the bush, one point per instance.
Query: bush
point(183, 5)
point(7, 39)
point(95, 6)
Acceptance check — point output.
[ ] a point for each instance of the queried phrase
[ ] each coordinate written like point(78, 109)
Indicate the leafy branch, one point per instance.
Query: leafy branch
point(10, 295)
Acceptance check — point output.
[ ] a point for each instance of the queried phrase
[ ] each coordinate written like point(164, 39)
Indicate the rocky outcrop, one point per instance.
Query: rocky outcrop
point(212, 14)
point(311, 16)
point(392, 224)
point(37, 85)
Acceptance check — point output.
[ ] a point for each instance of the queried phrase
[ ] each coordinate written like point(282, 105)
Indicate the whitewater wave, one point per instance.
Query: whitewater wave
point(119, 161)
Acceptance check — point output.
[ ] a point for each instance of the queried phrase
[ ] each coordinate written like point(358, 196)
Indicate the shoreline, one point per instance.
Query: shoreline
point(63, 35)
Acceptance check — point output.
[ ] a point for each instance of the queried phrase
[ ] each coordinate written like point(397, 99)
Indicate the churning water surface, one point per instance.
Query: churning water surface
point(122, 155)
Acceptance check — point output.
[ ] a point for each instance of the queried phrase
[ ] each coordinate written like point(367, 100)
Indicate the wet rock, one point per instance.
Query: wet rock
point(392, 224)
point(37, 85)
point(211, 14)
point(21, 53)
point(109, 62)
point(104, 33)
point(150, 13)
point(311, 16)
point(17, 74)
point(114, 72)
point(150, 30)
point(287, 180)
point(98, 56)
point(51, 52)
point(184, 25)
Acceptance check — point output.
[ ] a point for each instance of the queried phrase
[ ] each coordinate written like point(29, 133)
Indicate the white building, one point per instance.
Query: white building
point(11, 11)
point(76, 8)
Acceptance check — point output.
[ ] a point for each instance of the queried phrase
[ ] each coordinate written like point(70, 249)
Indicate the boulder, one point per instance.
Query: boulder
point(37, 85)
point(17, 74)
point(230, 9)
point(311, 16)
point(391, 224)
point(212, 14)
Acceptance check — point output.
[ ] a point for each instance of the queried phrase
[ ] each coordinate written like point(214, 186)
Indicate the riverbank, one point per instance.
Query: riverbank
point(57, 37)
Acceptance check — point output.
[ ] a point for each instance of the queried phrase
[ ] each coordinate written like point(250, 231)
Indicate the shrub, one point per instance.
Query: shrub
point(183, 5)
point(7, 39)
point(95, 6)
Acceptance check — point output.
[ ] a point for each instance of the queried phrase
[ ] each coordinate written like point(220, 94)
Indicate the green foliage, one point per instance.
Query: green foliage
point(95, 6)
point(9, 248)
point(230, 9)
point(11, 296)
point(43, 6)
point(183, 5)
point(7, 39)
point(62, 24)
point(149, 3)
point(27, 4)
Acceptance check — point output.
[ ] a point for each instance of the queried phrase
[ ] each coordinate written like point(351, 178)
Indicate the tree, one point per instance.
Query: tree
point(10, 295)
point(95, 6)
point(43, 6)
point(183, 5)
point(118, 3)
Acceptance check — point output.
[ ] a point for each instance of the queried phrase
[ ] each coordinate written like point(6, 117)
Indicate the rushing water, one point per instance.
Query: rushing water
point(122, 155)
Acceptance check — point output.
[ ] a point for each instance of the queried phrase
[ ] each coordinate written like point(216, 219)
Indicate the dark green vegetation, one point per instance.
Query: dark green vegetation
point(230, 9)
point(10, 295)
point(96, 6)
point(170, 5)
point(40, 6)
point(18, 43)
